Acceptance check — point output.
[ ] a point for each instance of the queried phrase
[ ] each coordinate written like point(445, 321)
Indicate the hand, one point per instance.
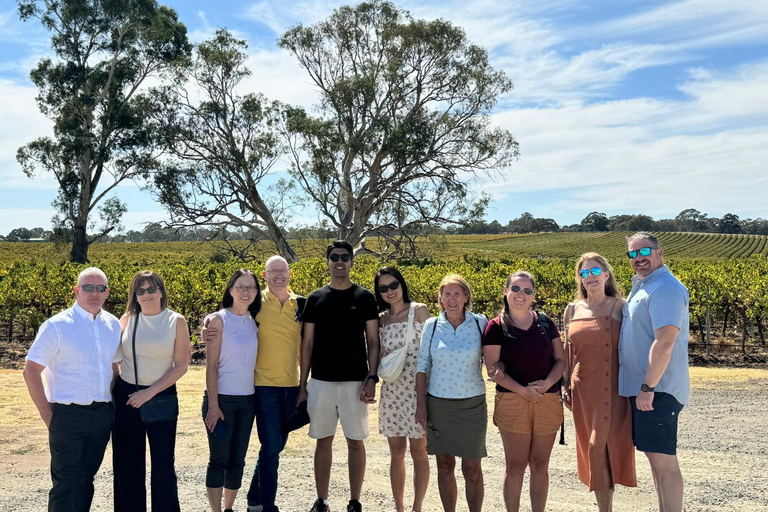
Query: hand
point(139, 398)
point(496, 372)
point(368, 392)
point(567, 398)
point(530, 393)
point(213, 417)
point(47, 417)
point(644, 401)
point(208, 334)
point(302, 396)
point(421, 415)
point(539, 385)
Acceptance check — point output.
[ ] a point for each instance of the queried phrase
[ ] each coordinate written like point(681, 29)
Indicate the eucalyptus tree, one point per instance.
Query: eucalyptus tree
point(222, 146)
point(104, 51)
point(403, 124)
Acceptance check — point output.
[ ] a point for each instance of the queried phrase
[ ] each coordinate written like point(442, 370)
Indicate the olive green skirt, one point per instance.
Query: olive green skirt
point(457, 426)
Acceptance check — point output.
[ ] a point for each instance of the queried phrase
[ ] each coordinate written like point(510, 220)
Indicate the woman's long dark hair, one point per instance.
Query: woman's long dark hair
point(227, 301)
point(506, 320)
point(392, 271)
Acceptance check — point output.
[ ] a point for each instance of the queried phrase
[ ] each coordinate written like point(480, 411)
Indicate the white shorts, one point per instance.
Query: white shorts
point(329, 402)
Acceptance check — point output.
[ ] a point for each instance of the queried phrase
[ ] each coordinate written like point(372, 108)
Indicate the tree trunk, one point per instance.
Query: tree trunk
point(283, 247)
point(759, 321)
point(744, 330)
point(725, 321)
point(79, 252)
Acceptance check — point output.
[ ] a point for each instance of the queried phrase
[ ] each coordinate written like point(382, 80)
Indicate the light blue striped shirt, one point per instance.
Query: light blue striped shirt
point(452, 358)
point(655, 301)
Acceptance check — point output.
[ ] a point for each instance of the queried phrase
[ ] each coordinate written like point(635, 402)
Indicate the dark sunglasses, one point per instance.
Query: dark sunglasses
point(645, 251)
point(343, 257)
point(595, 271)
point(514, 289)
point(382, 288)
point(150, 290)
point(101, 288)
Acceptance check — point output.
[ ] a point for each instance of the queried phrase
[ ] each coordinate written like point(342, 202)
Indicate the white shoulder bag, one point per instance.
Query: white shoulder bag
point(391, 365)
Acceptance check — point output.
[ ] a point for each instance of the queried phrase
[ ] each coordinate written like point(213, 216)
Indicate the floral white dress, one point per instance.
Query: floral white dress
point(397, 400)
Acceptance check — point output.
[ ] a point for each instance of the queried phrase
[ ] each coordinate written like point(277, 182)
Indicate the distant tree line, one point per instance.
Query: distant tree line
point(689, 220)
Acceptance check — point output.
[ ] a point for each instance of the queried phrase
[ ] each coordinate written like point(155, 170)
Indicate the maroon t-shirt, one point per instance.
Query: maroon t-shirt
point(527, 355)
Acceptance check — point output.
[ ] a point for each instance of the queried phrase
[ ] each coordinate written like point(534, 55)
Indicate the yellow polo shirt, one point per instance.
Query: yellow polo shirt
point(277, 359)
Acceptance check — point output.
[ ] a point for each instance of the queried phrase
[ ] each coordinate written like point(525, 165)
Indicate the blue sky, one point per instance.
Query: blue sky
point(621, 107)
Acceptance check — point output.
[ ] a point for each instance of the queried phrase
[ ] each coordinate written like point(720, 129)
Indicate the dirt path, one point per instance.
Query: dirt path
point(723, 455)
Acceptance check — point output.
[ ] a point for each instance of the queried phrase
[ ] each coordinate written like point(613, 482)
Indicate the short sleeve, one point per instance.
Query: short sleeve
point(45, 346)
point(668, 305)
point(554, 333)
point(118, 357)
point(309, 315)
point(493, 333)
point(370, 308)
point(424, 363)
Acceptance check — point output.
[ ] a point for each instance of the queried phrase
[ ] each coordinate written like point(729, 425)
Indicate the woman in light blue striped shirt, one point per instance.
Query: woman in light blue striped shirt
point(451, 392)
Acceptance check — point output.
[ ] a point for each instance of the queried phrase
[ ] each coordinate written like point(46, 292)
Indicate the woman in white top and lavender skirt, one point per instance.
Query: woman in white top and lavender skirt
point(229, 407)
point(153, 355)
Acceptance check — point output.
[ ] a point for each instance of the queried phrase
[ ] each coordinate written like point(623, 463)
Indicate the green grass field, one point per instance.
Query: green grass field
point(540, 245)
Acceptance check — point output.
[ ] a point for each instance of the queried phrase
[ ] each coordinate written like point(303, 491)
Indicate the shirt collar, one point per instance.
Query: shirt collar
point(442, 318)
point(268, 295)
point(85, 314)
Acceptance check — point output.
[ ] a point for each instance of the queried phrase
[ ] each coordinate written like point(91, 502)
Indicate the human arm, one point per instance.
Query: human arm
point(421, 399)
point(558, 368)
point(307, 344)
point(491, 354)
point(569, 358)
point(33, 377)
point(368, 393)
point(212, 353)
point(178, 368)
point(658, 360)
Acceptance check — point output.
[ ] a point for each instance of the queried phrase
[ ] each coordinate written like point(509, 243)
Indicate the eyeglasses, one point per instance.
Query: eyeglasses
point(394, 285)
point(514, 289)
point(101, 288)
point(645, 251)
point(241, 288)
point(343, 257)
point(280, 272)
point(150, 290)
point(595, 271)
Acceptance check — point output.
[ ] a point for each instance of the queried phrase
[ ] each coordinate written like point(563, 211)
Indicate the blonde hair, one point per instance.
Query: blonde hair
point(611, 288)
point(463, 284)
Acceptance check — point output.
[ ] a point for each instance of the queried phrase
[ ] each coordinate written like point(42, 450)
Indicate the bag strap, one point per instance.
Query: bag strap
point(409, 329)
point(133, 344)
point(544, 322)
point(477, 322)
point(434, 327)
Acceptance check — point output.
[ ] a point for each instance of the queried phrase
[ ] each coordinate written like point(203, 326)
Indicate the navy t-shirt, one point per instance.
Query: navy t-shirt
point(339, 353)
point(527, 355)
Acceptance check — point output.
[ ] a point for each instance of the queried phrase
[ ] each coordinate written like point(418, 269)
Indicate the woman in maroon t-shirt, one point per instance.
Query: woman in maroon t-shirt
point(526, 364)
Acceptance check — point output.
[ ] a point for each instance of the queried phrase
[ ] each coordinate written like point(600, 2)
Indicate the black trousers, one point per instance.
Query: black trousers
point(227, 459)
point(129, 456)
point(78, 436)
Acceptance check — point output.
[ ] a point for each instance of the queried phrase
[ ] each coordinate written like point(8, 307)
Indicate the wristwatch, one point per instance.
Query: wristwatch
point(645, 388)
point(374, 378)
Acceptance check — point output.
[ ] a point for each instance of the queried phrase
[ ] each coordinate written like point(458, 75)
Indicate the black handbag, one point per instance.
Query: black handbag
point(160, 407)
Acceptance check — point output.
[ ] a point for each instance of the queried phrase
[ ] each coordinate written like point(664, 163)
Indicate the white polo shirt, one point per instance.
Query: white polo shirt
point(77, 352)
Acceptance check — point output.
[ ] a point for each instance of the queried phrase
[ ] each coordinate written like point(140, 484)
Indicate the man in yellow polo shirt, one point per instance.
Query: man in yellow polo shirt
point(276, 378)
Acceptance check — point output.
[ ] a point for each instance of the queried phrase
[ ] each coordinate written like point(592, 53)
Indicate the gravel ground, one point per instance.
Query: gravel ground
point(723, 453)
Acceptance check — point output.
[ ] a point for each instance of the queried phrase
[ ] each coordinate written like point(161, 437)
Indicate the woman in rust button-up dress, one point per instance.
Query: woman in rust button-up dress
point(602, 419)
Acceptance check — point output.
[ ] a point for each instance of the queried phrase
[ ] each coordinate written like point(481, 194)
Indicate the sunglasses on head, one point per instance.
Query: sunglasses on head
point(343, 257)
point(382, 288)
point(645, 251)
point(150, 290)
point(514, 289)
point(101, 288)
point(595, 271)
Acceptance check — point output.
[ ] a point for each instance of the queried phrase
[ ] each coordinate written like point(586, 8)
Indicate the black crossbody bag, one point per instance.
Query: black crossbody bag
point(160, 407)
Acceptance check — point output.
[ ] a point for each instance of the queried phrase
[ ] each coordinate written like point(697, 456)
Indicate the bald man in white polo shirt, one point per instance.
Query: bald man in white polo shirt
point(73, 352)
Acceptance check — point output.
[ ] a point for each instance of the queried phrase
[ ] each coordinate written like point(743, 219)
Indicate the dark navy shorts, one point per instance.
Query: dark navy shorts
point(656, 431)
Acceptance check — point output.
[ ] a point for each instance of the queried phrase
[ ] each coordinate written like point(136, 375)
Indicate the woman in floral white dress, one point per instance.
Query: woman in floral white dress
point(397, 401)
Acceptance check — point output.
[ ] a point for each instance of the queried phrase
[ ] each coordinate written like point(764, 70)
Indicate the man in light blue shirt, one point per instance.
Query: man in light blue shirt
point(653, 364)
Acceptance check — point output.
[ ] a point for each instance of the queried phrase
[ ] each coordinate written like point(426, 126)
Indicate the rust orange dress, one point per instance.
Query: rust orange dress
point(602, 418)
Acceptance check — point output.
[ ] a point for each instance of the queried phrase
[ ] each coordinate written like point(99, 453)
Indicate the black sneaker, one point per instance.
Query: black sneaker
point(320, 506)
point(354, 506)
